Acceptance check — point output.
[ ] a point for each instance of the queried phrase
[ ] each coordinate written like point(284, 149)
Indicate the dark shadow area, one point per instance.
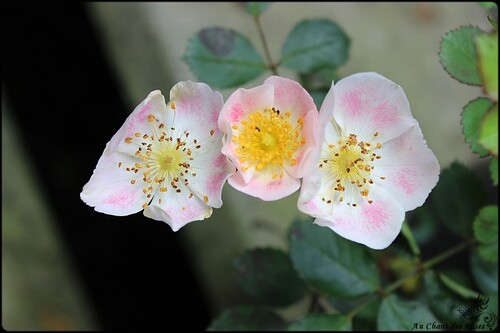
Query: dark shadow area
point(66, 102)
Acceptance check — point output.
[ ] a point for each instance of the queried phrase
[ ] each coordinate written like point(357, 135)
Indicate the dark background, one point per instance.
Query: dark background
point(66, 103)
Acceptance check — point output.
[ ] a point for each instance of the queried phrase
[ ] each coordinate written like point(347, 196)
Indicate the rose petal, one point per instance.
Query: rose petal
point(137, 122)
point(410, 168)
point(109, 189)
point(375, 225)
point(328, 128)
point(290, 96)
point(368, 103)
point(212, 170)
point(306, 155)
point(243, 102)
point(177, 209)
point(238, 105)
point(263, 186)
point(197, 109)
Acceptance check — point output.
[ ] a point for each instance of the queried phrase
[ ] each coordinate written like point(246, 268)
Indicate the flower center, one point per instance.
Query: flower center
point(349, 166)
point(168, 160)
point(165, 157)
point(268, 139)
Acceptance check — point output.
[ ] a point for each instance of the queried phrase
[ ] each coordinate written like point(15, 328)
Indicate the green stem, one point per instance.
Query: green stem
point(425, 266)
point(445, 255)
point(272, 66)
point(408, 234)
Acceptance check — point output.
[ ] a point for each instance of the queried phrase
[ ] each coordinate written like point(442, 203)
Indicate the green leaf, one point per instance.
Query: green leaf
point(247, 318)
point(493, 22)
point(458, 55)
point(492, 11)
point(443, 302)
point(366, 319)
point(331, 264)
point(424, 224)
point(457, 198)
point(457, 287)
point(315, 44)
point(494, 170)
point(488, 133)
point(472, 117)
point(486, 232)
point(267, 275)
point(487, 52)
point(487, 4)
point(485, 274)
point(322, 322)
point(257, 8)
point(400, 315)
point(223, 58)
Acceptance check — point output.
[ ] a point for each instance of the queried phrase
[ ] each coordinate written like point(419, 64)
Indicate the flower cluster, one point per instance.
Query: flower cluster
point(360, 163)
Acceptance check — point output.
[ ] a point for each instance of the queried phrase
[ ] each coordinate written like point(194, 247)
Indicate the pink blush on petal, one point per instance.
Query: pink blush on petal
point(138, 118)
point(215, 182)
point(384, 117)
point(143, 113)
point(312, 206)
point(375, 214)
point(273, 184)
point(353, 103)
point(122, 198)
point(219, 161)
point(237, 113)
point(402, 180)
point(214, 116)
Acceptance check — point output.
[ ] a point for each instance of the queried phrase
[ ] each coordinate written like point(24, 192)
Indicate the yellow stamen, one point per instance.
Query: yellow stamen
point(267, 139)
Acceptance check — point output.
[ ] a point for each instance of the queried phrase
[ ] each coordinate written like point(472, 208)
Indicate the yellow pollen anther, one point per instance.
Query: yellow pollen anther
point(151, 118)
point(349, 169)
point(128, 139)
point(205, 198)
point(267, 139)
point(172, 105)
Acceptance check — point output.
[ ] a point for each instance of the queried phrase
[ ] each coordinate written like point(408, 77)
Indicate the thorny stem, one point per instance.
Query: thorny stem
point(272, 66)
point(419, 270)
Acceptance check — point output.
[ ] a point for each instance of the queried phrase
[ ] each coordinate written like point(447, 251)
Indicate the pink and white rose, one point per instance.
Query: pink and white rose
point(270, 134)
point(165, 160)
point(372, 165)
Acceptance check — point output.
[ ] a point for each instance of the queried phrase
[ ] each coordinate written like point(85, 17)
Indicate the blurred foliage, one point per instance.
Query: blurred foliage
point(268, 277)
point(223, 58)
point(257, 8)
point(315, 44)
